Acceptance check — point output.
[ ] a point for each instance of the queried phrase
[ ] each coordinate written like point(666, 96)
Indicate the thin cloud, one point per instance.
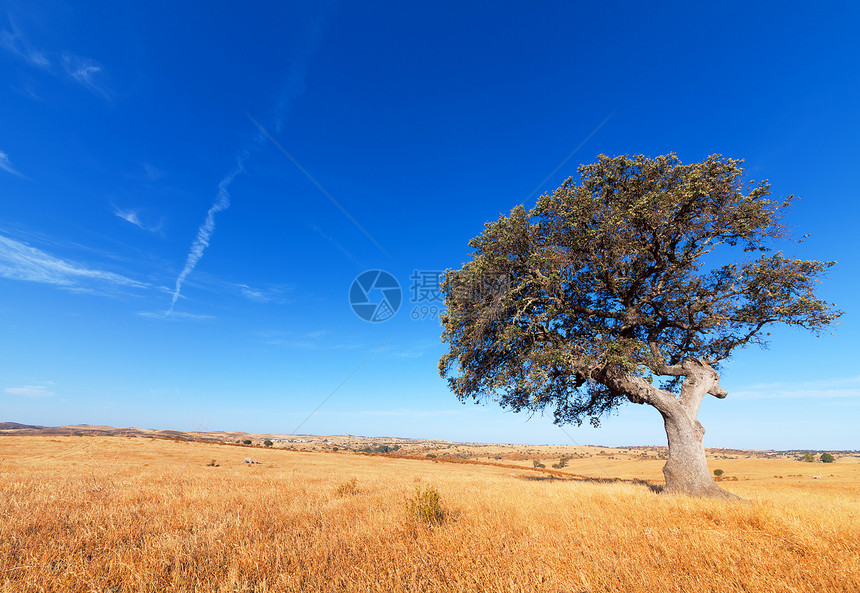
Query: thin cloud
point(204, 233)
point(82, 70)
point(17, 44)
point(22, 262)
point(133, 217)
point(174, 316)
point(30, 391)
point(87, 73)
point(26, 89)
point(256, 295)
point(152, 172)
point(293, 87)
point(313, 340)
point(263, 295)
point(6, 165)
point(129, 216)
point(847, 387)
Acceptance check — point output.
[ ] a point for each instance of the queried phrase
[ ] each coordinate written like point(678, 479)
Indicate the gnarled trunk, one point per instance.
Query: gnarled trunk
point(686, 471)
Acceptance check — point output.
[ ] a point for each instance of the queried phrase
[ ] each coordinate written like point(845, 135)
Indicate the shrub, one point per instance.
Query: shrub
point(246, 442)
point(808, 457)
point(425, 507)
point(380, 449)
point(348, 488)
point(827, 458)
point(718, 473)
point(212, 463)
point(268, 443)
point(538, 463)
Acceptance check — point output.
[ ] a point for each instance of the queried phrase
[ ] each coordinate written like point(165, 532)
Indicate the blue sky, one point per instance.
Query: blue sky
point(189, 190)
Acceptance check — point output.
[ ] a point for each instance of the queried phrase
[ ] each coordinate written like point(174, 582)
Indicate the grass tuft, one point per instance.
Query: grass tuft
point(425, 507)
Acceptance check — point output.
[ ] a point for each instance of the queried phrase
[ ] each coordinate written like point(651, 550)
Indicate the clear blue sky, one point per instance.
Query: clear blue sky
point(133, 175)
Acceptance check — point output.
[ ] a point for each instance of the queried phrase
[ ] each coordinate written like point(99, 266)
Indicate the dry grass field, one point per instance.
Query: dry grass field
point(111, 514)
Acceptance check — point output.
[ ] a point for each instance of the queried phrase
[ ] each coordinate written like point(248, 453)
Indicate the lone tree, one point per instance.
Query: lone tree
point(604, 286)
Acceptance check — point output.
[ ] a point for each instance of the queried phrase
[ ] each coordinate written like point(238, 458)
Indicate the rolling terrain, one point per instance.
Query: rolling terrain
point(147, 511)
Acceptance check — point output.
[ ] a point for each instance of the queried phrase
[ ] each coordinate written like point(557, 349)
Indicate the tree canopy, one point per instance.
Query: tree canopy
point(642, 267)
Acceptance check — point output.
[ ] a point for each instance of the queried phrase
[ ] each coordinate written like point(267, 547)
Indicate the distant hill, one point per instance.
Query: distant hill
point(16, 426)
point(348, 442)
point(298, 441)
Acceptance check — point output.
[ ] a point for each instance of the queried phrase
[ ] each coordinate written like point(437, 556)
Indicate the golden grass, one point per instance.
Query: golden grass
point(135, 514)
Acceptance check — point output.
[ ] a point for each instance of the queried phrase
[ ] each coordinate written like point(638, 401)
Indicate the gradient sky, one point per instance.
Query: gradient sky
point(188, 190)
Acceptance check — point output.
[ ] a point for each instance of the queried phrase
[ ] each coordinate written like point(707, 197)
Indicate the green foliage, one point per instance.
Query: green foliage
point(808, 457)
point(381, 449)
point(430, 455)
point(718, 473)
point(827, 458)
point(246, 442)
point(538, 464)
point(268, 443)
point(425, 507)
point(604, 279)
point(561, 463)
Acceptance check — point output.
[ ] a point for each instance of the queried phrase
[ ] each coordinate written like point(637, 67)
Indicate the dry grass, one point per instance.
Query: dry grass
point(133, 514)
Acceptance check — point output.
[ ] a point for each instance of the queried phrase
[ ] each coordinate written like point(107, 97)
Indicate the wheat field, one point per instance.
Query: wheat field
point(106, 514)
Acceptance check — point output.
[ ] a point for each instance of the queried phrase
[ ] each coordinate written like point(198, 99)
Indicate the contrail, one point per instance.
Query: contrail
point(295, 86)
point(204, 233)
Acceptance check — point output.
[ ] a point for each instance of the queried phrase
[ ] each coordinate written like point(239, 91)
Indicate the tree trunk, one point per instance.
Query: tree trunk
point(686, 471)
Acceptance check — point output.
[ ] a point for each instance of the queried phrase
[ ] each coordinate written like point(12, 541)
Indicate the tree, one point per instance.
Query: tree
point(606, 285)
point(808, 458)
point(827, 458)
point(268, 443)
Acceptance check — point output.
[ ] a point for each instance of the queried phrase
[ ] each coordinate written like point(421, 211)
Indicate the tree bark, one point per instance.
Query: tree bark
point(686, 471)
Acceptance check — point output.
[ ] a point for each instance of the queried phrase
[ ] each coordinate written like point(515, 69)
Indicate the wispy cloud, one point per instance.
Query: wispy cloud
point(294, 86)
point(129, 216)
point(17, 44)
point(174, 316)
point(30, 391)
point(269, 294)
point(204, 233)
point(846, 387)
point(87, 73)
point(152, 172)
point(133, 217)
point(255, 294)
point(408, 354)
point(22, 262)
point(82, 70)
point(312, 340)
point(6, 165)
